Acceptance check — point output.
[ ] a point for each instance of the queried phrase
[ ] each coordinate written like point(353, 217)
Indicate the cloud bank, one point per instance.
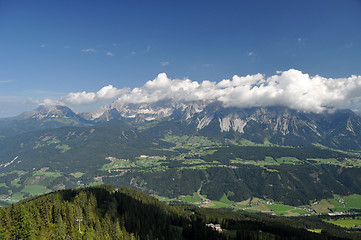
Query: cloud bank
point(83, 98)
point(290, 88)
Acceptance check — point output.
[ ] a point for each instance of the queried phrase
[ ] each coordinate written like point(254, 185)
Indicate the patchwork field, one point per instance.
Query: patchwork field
point(348, 222)
point(324, 206)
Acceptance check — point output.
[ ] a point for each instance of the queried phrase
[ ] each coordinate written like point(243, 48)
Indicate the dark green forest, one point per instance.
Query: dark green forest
point(110, 213)
point(293, 185)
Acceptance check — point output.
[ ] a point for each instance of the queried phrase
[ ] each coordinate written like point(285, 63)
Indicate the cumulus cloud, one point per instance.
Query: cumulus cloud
point(109, 54)
point(89, 50)
point(83, 98)
point(44, 102)
point(290, 88)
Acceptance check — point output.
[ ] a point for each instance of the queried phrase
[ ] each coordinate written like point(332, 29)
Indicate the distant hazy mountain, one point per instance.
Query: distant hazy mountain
point(279, 125)
point(41, 118)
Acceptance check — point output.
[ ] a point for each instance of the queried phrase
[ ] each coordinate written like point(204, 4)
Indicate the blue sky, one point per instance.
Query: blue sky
point(51, 48)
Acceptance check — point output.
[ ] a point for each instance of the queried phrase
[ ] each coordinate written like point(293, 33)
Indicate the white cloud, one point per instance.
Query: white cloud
point(251, 54)
point(83, 98)
point(80, 98)
point(89, 50)
point(109, 54)
point(165, 63)
point(6, 81)
point(44, 102)
point(290, 88)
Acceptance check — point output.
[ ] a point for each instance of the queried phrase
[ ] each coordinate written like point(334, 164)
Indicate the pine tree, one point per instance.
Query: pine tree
point(3, 234)
point(22, 228)
point(59, 228)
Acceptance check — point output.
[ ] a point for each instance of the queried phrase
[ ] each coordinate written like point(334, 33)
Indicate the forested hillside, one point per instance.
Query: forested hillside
point(107, 213)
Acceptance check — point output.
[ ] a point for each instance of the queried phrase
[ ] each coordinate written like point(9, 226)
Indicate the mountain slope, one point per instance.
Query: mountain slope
point(75, 148)
point(41, 118)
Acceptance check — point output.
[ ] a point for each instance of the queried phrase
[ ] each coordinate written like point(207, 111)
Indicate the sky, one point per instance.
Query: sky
point(87, 53)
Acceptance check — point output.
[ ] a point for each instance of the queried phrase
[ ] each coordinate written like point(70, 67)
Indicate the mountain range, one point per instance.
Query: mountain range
point(337, 129)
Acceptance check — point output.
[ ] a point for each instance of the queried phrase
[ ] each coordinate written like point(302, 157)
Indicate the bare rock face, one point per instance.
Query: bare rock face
point(279, 125)
point(147, 111)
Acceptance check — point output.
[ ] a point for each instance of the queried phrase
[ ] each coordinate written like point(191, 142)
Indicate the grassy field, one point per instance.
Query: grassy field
point(193, 161)
point(15, 182)
point(35, 189)
point(148, 162)
point(347, 222)
point(288, 160)
point(48, 174)
point(96, 183)
point(259, 205)
point(353, 201)
point(191, 199)
point(63, 148)
point(250, 210)
point(77, 174)
point(17, 196)
point(269, 160)
point(219, 204)
point(279, 208)
point(117, 163)
point(245, 142)
point(225, 200)
point(190, 142)
point(299, 211)
point(330, 161)
point(335, 201)
point(341, 209)
point(323, 206)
